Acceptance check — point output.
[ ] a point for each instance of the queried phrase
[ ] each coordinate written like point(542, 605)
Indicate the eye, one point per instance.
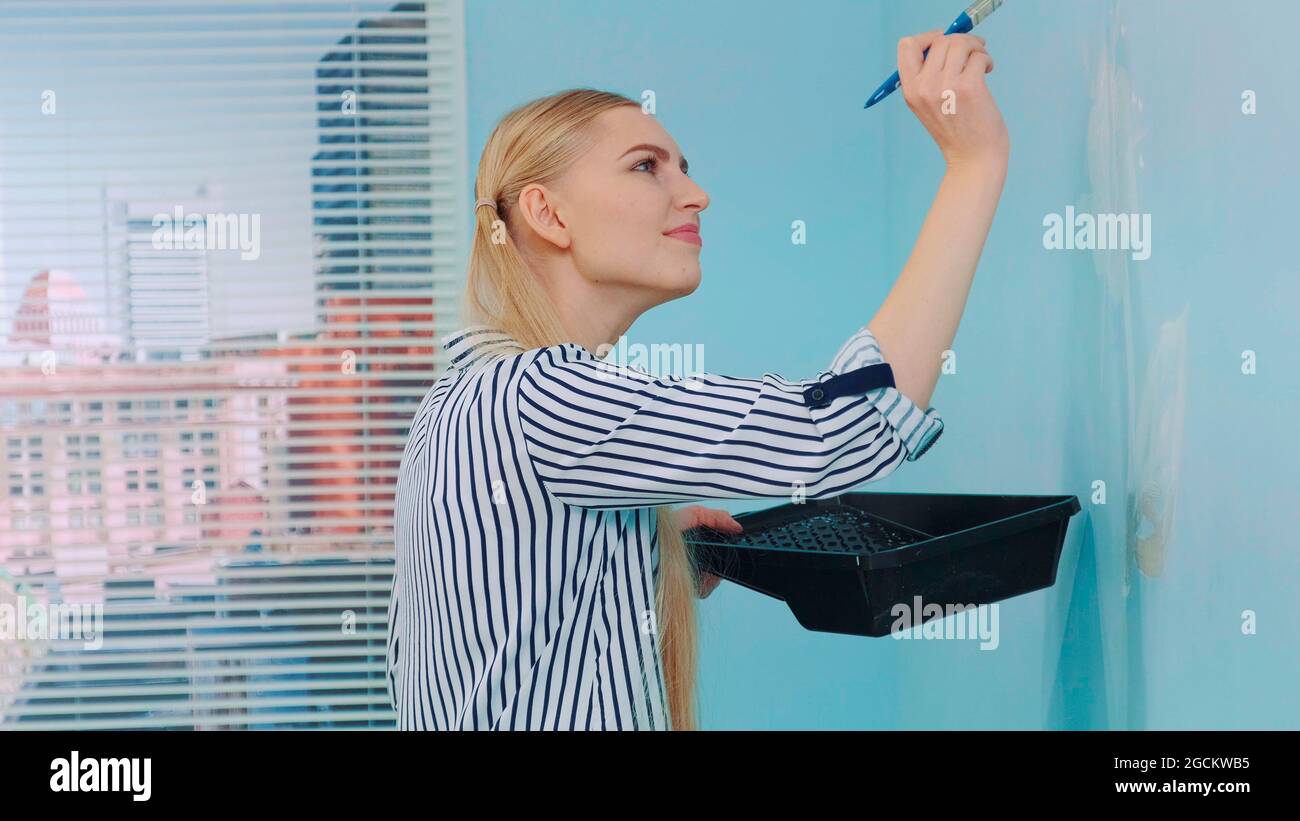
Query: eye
point(654, 163)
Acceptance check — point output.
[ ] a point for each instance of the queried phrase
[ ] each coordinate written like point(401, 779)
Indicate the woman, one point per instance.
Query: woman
point(541, 579)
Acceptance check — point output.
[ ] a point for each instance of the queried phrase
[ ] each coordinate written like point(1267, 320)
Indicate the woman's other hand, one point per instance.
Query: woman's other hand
point(720, 520)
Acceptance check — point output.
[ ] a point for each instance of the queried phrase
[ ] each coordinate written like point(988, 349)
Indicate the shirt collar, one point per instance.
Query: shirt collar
point(477, 341)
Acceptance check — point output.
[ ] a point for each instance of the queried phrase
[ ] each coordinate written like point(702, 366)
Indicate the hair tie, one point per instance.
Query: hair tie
point(485, 201)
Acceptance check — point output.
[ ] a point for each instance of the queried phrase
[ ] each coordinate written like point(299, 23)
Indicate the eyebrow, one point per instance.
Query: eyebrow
point(661, 153)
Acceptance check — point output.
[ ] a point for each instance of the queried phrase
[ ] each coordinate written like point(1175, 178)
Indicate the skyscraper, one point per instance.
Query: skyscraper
point(166, 283)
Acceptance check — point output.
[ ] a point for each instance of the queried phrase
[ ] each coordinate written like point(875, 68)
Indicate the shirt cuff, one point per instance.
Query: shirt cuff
point(916, 429)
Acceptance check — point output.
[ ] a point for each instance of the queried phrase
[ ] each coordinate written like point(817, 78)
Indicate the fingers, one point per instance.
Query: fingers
point(685, 517)
point(959, 49)
point(910, 58)
point(698, 515)
point(721, 520)
point(938, 54)
point(949, 55)
point(980, 63)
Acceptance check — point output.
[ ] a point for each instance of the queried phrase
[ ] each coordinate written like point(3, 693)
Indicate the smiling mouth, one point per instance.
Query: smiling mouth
point(687, 236)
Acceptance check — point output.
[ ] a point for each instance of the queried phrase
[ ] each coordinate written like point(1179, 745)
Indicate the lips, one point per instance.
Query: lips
point(686, 233)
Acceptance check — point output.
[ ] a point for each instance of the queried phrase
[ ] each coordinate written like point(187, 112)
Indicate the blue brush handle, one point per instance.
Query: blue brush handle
point(961, 25)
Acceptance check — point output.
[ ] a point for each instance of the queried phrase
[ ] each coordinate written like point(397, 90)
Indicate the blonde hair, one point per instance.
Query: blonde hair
point(536, 143)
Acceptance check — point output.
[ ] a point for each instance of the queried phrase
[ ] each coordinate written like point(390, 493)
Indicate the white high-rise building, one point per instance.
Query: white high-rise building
point(167, 310)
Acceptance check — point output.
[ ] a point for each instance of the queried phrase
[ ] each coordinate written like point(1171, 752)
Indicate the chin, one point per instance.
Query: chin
point(686, 282)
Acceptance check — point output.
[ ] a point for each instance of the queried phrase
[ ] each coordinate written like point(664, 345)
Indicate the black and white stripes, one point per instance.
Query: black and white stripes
point(526, 545)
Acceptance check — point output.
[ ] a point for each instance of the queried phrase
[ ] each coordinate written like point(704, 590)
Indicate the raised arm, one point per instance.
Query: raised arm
point(601, 436)
point(918, 320)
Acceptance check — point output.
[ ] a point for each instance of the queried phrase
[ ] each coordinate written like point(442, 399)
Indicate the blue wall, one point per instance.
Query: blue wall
point(1073, 367)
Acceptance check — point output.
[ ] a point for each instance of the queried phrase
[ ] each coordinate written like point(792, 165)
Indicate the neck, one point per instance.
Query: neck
point(595, 314)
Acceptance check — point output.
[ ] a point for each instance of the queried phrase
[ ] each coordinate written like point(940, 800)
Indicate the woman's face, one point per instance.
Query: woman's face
point(619, 203)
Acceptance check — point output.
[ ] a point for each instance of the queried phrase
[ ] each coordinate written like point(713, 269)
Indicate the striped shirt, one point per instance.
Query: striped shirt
point(526, 540)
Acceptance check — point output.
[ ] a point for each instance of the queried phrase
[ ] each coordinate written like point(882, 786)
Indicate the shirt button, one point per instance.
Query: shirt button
point(817, 394)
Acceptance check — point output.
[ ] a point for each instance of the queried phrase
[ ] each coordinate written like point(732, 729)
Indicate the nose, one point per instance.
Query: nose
point(694, 196)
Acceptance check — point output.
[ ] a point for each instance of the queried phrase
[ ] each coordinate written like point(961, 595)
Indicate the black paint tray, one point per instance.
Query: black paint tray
point(842, 563)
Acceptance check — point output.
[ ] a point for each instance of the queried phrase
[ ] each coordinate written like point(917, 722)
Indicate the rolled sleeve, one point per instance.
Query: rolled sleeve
point(917, 429)
point(601, 436)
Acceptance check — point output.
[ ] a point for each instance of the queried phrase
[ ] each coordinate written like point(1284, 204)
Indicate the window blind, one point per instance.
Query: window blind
point(230, 237)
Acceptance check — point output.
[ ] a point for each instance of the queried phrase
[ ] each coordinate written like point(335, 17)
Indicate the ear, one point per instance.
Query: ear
point(538, 205)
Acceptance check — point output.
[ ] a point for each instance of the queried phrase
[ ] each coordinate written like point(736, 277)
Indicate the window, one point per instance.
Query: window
point(317, 150)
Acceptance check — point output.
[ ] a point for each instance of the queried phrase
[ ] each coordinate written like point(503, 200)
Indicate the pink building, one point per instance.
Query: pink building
point(108, 460)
